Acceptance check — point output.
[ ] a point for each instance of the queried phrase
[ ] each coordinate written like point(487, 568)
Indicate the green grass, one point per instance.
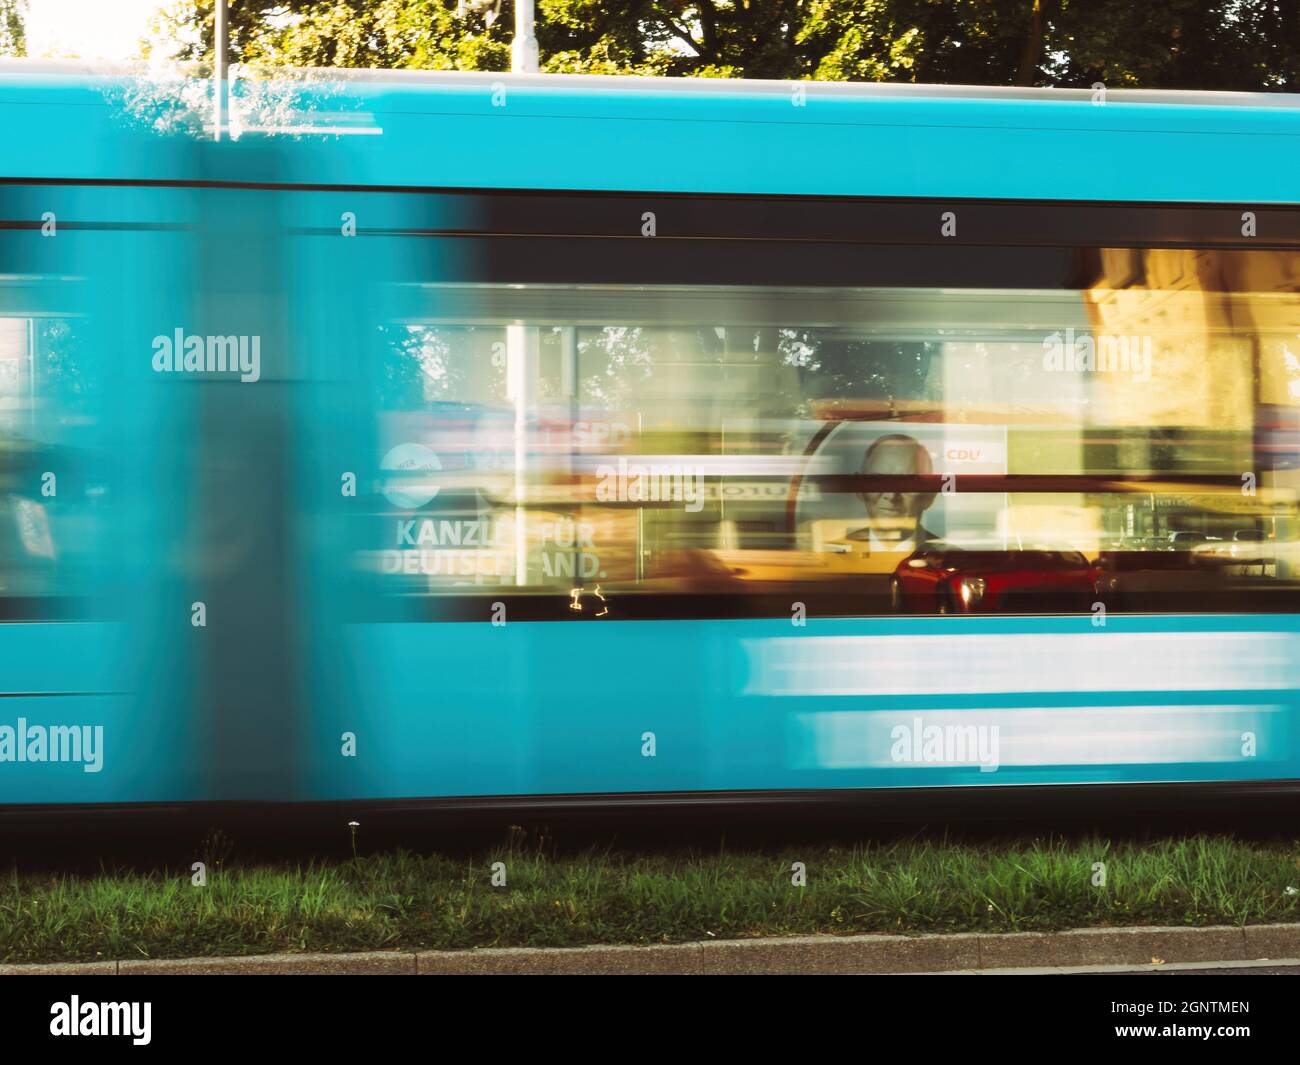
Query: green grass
point(405, 901)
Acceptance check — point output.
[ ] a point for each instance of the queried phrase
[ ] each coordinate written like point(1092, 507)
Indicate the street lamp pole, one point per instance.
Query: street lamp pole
point(221, 47)
point(523, 49)
point(523, 341)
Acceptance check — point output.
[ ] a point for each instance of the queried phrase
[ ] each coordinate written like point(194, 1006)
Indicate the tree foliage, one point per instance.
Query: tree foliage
point(1205, 44)
point(13, 35)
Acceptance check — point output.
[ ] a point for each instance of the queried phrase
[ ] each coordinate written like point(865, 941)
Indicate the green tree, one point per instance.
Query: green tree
point(1178, 44)
point(382, 34)
point(13, 33)
point(1186, 44)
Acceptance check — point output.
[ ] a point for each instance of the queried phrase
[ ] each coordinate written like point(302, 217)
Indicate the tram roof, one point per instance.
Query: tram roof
point(476, 130)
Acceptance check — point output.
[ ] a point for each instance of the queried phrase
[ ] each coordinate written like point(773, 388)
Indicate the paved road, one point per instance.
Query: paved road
point(1220, 970)
point(1274, 967)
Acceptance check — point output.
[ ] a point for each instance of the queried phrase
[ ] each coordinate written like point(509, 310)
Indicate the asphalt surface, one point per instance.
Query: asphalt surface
point(1220, 970)
point(1265, 967)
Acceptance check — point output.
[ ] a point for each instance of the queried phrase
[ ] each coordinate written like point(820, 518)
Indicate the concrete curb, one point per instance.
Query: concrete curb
point(1164, 967)
point(809, 955)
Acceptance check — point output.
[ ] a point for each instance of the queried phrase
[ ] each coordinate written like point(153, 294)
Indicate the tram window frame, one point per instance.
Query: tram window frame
point(525, 242)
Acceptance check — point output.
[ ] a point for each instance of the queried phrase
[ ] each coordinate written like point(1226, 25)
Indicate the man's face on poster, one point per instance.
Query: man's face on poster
point(893, 514)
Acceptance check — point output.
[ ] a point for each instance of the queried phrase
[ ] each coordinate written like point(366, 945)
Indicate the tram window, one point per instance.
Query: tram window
point(48, 497)
point(743, 446)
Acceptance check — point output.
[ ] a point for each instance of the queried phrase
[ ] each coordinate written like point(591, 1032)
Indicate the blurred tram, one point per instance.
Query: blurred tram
point(454, 438)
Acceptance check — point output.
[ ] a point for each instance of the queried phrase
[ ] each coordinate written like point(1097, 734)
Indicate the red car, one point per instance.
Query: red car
point(943, 579)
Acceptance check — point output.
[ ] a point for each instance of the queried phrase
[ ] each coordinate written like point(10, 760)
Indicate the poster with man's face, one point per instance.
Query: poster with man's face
point(888, 519)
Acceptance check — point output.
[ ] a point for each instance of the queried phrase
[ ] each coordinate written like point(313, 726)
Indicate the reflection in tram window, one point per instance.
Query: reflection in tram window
point(49, 496)
point(1133, 442)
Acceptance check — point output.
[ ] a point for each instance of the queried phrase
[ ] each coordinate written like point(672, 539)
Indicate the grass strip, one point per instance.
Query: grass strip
point(408, 901)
